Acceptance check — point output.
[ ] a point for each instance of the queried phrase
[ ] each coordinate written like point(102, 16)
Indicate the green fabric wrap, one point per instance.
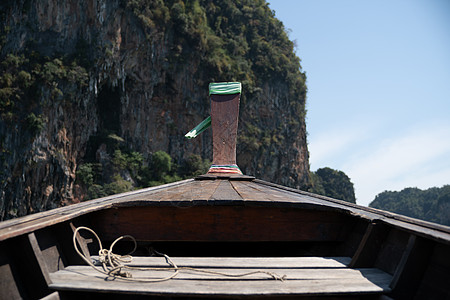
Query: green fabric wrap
point(225, 88)
point(199, 128)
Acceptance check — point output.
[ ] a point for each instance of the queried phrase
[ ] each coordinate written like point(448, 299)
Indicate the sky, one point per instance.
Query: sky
point(378, 78)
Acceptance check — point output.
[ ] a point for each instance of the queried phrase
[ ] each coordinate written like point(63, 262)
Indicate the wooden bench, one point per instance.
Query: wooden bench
point(304, 276)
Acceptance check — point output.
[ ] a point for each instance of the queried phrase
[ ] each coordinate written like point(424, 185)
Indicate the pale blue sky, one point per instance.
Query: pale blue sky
point(378, 77)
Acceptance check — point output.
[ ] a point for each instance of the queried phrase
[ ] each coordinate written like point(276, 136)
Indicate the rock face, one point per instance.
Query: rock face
point(140, 69)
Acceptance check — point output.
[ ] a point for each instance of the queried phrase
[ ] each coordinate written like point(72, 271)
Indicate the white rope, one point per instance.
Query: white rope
point(114, 263)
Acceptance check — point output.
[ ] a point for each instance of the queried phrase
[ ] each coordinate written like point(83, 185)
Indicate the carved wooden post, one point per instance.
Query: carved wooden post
point(224, 120)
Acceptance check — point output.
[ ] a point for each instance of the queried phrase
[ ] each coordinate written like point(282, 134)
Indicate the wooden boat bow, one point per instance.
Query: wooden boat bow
point(230, 224)
point(226, 223)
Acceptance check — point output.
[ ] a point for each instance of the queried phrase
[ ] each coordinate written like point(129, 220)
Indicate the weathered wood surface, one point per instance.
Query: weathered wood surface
point(243, 262)
point(224, 124)
point(436, 280)
point(26, 224)
point(411, 268)
point(225, 191)
point(220, 223)
point(232, 210)
point(305, 276)
point(222, 192)
point(424, 228)
point(370, 246)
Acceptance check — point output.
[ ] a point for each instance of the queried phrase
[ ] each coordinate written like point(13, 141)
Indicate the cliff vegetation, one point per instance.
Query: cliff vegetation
point(332, 183)
point(432, 204)
point(96, 96)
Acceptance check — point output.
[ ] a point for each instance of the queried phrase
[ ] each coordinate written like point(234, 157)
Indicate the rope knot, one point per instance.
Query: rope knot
point(118, 272)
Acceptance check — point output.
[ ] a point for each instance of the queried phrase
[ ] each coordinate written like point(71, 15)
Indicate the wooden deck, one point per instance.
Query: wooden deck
point(312, 276)
point(393, 255)
point(220, 192)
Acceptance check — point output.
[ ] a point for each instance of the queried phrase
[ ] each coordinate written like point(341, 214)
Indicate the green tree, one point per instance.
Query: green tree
point(161, 163)
point(85, 174)
point(332, 183)
point(441, 212)
point(431, 205)
point(194, 165)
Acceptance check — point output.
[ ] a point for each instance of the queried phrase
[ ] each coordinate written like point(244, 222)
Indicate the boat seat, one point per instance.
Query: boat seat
point(311, 276)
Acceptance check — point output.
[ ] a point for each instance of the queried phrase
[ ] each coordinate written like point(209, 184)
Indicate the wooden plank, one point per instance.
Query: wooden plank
point(250, 192)
point(370, 245)
point(198, 190)
point(225, 191)
point(411, 269)
point(26, 224)
point(147, 196)
point(30, 267)
point(39, 258)
point(324, 276)
point(392, 250)
point(204, 190)
point(355, 230)
point(423, 228)
point(226, 287)
point(258, 192)
point(253, 192)
point(244, 262)
point(219, 223)
point(429, 232)
point(244, 274)
point(63, 235)
point(81, 241)
point(436, 280)
point(52, 296)
point(11, 287)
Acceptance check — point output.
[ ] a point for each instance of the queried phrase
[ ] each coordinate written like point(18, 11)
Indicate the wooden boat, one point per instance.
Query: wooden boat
point(230, 236)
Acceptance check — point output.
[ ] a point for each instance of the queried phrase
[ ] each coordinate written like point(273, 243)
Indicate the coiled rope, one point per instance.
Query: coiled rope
point(114, 264)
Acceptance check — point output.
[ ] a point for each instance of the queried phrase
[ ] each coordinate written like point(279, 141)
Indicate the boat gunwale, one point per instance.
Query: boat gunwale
point(71, 211)
point(384, 213)
point(30, 223)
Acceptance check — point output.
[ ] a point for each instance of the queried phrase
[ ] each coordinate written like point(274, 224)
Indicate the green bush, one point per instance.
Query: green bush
point(96, 191)
point(7, 80)
point(332, 183)
point(161, 163)
point(34, 123)
point(194, 165)
point(85, 174)
point(119, 161)
point(25, 79)
point(119, 185)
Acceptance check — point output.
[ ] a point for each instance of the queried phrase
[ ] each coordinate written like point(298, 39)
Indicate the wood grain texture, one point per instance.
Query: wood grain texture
point(225, 191)
point(219, 223)
point(244, 262)
point(26, 224)
point(224, 123)
point(411, 268)
point(304, 277)
point(192, 192)
point(370, 245)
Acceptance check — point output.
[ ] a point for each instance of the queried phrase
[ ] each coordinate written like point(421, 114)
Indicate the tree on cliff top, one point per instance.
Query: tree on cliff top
point(431, 205)
point(332, 183)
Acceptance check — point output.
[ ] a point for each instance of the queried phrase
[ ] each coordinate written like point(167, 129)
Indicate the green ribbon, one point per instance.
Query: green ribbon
point(225, 88)
point(199, 128)
point(216, 88)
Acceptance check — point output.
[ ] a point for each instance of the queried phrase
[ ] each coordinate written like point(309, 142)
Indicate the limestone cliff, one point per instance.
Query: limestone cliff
point(139, 71)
